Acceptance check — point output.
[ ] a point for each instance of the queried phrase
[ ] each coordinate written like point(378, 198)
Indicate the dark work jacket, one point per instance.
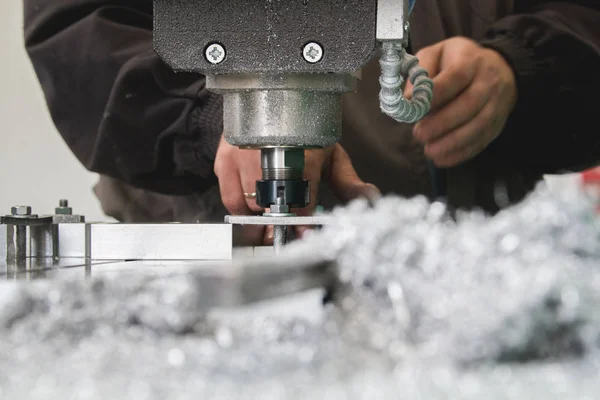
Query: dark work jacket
point(152, 134)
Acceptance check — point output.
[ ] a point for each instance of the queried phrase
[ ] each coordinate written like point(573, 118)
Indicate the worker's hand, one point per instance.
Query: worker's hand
point(239, 169)
point(474, 93)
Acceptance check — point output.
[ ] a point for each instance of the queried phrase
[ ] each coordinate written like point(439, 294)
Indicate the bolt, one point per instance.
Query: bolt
point(313, 52)
point(63, 208)
point(20, 210)
point(215, 53)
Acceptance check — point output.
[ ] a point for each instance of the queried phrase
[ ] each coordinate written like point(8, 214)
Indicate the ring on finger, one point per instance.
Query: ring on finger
point(249, 195)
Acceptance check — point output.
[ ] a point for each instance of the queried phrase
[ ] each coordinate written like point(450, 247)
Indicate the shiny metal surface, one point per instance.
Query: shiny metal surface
point(3, 243)
point(159, 241)
point(42, 241)
point(19, 241)
point(46, 268)
point(281, 163)
point(297, 110)
point(278, 220)
point(391, 18)
point(282, 118)
point(336, 83)
point(279, 237)
point(313, 52)
point(221, 283)
point(71, 240)
point(68, 219)
point(29, 235)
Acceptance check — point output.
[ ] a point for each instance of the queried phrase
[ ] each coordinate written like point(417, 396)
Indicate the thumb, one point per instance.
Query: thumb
point(344, 180)
point(429, 59)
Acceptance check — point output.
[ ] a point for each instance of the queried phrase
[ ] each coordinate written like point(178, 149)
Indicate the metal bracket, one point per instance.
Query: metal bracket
point(31, 236)
point(315, 220)
point(392, 20)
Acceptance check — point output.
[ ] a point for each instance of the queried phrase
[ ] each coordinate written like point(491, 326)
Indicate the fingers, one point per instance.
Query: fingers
point(230, 187)
point(429, 58)
point(250, 171)
point(344, 180)
point(450, 83)
point(466, 141)
point(237, 171)
point(455, 114)
point(268, 236)
point(232, 194)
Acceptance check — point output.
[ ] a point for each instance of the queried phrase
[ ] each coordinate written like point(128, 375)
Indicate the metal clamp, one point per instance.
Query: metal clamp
point(28, 235)
point(314, 220)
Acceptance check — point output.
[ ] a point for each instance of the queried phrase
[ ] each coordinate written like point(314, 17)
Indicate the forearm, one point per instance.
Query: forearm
point(120, 109)
point(554, 50)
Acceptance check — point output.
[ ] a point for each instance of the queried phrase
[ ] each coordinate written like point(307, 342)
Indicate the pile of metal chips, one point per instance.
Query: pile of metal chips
point(428, 307)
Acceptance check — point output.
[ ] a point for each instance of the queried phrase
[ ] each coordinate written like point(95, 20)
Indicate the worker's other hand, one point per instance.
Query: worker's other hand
point(474, 93)
point(239, 169)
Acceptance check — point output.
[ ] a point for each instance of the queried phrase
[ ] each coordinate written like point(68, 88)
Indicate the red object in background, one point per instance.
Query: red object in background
point(591, 182)
point(591, 176)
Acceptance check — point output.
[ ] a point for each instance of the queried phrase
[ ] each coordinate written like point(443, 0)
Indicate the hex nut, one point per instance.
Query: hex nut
point(20, 210)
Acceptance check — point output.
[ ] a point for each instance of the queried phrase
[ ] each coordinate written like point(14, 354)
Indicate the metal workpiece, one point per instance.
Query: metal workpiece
point(314, 220)
point(46, 268)
point(252, 277)
point(392, 20)
point(301, 111)
point(71, 239)
point(256, 279)
point(159, 241)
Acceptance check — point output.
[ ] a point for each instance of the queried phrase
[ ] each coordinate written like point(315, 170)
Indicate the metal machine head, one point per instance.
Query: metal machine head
point(282, 68)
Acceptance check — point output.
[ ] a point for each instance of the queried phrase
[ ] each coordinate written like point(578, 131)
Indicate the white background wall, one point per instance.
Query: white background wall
point(36, 167)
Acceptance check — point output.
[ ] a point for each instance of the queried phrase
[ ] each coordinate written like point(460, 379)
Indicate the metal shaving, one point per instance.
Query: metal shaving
point(428, 308)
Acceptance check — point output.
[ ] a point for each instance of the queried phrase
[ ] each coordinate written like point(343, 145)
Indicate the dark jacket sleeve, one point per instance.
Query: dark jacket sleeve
point(119, 108)
point(554, 50)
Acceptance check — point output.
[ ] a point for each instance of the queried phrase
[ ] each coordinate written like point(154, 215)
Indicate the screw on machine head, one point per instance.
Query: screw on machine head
point(215, 53)
point(20, 210)
point(313, 52)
